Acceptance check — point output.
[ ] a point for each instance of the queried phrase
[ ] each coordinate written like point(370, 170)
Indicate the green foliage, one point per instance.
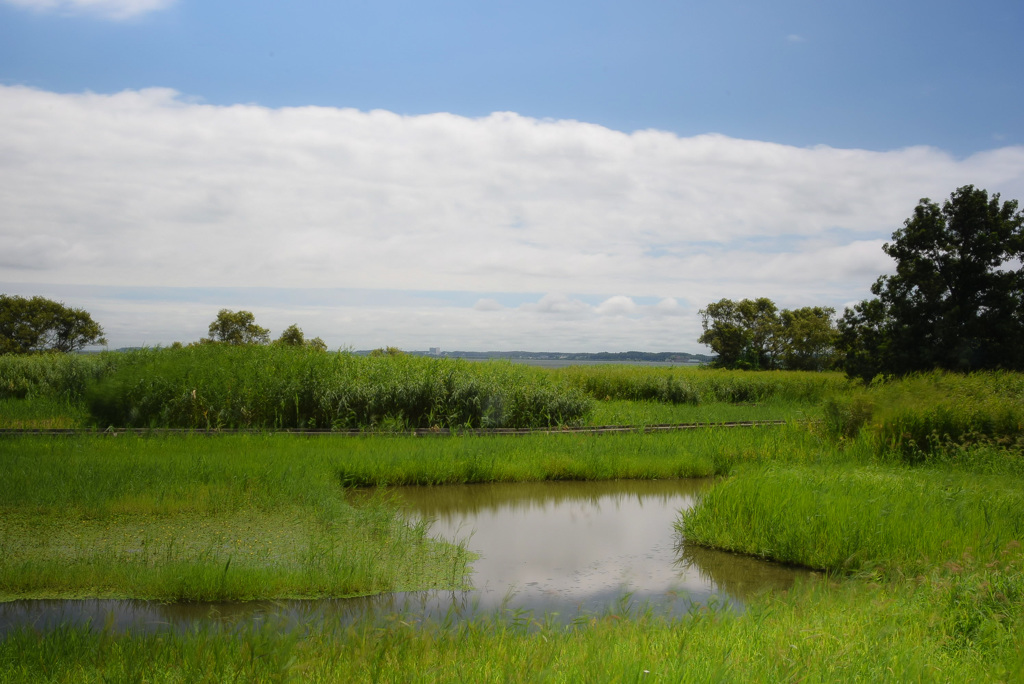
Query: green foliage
point(743, 334)
point(40, 324)
point(277, 386)
point(755, 335)
point(956, 300)
point(293, 337)
point(238, 328)
point(809, 339)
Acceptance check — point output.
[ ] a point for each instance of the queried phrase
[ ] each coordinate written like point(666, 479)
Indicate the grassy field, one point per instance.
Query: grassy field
point(908, 494)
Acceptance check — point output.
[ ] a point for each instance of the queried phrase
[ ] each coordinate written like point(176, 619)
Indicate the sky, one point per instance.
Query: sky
point(569, 176)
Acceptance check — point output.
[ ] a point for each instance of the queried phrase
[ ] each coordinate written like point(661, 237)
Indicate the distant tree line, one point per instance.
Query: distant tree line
point(956, 302)
point(37, 324)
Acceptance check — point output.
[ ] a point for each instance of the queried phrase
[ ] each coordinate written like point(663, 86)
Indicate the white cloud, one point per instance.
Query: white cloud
point(617, 306)
point(109, 9)
point(147, 189)
point(486, 304)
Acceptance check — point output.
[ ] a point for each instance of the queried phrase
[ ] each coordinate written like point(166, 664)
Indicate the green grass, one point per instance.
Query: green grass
point(39, 413)
point(687, 385)
point(850, 518)
point(622, 412)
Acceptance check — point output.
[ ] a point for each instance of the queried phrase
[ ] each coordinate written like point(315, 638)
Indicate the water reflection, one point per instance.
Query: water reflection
point(577, 547)
point(558, 549)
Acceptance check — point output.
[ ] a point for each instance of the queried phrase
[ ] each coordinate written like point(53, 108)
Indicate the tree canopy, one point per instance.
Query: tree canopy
point(237, 327)
point(956, 301)
point(39, 324)
point(294, 337)
point(754, 334)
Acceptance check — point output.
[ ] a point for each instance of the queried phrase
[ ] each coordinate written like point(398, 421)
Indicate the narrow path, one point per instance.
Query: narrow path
point(420, 432)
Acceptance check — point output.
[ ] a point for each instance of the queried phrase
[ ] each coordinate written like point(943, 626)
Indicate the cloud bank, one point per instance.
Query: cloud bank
point(108, 9)
point(557, 228)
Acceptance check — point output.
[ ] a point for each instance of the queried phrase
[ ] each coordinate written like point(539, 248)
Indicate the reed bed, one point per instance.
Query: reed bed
point(60, 376)
point(217, 386)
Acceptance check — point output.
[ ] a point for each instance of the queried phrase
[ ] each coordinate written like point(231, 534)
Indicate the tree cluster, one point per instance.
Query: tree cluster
point(754, 334)
point(239, 327)
point(956, 301)
point(38, 324)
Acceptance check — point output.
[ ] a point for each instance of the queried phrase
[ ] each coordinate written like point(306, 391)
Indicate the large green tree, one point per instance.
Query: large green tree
point(237, 327)
point(39, 324)
point(743, 334)
point(956, 300)
point(808, 338)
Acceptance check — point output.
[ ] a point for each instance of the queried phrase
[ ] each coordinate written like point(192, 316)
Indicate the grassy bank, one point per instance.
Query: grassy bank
point(847, 518)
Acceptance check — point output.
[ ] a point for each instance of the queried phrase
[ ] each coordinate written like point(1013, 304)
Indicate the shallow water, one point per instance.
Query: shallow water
point(557, 549)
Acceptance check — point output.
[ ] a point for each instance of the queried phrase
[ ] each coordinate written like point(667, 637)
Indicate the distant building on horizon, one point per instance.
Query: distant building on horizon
point(435, 351)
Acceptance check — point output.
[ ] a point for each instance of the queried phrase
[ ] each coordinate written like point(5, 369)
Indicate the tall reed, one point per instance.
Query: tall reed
point(215, 386)
point(53, 376)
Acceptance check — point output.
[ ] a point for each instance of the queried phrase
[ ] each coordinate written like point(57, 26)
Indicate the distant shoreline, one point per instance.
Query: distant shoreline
point(674, 358)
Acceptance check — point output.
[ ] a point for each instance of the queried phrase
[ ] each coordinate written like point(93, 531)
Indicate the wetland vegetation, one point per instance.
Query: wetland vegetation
point(906, 493)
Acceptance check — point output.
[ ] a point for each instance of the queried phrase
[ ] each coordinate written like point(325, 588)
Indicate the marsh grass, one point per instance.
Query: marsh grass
point(187, 519)
point(849, 518)
point(927, 416)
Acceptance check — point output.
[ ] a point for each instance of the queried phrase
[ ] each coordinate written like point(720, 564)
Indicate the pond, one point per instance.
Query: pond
point(556, 549)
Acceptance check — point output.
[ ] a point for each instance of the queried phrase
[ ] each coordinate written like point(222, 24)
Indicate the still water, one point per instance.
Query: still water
point(557, 549)
point(572, 547)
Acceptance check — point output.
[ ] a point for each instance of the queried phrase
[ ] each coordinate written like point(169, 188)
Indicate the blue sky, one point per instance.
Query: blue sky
point(573, 175)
